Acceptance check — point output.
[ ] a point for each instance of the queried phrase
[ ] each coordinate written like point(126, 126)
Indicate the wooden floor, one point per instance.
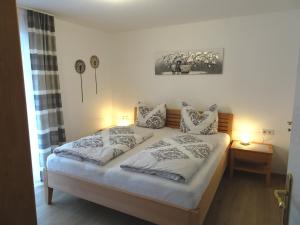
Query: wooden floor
point(242, 200)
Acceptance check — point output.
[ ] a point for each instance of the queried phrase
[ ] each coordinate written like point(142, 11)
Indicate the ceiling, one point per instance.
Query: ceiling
point(125, 15)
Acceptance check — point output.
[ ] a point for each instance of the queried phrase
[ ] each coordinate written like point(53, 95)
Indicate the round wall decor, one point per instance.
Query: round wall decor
point(80, 68)
point(94, 60)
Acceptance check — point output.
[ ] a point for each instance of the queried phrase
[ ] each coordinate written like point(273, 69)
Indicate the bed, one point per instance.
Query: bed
point(110, 186)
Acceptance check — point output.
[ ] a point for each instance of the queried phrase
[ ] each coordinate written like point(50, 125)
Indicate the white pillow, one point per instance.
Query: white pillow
point(151, 117)
point(194, 122)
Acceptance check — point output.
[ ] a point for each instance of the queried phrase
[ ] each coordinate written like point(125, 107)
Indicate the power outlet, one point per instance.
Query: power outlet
point(268, 131)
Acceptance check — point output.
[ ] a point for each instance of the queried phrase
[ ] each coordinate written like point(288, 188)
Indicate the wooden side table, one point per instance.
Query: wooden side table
point(253, 158)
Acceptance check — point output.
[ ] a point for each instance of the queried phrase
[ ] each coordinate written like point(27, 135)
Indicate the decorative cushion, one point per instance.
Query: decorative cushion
point(195, 122)
point(151, 117)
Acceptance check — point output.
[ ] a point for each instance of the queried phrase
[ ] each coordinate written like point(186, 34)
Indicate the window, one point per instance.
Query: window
point(29, 94)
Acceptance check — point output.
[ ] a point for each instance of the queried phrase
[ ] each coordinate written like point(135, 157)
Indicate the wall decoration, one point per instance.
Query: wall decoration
point(195, 62)
point(95, 64)
point(80, 68)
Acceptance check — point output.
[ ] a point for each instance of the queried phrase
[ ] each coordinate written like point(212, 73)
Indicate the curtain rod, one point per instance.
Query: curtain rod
point(35, 10)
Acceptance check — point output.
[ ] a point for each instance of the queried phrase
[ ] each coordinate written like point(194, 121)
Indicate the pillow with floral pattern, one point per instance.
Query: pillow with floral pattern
point(151, 117)
point(194, 122)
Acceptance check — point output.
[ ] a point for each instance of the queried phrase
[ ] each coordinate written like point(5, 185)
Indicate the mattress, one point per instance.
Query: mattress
point(186, 196)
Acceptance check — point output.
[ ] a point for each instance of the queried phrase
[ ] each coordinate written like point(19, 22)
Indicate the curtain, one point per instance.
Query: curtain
point(45, 83)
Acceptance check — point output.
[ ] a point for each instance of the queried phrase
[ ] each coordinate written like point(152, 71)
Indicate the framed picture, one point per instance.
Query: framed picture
point(197, 62)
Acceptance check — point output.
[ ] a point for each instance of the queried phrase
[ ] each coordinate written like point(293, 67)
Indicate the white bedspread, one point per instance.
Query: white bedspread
point(182, 195)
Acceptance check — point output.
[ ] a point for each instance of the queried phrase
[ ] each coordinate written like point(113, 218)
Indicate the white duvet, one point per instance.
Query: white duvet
point(103, 146)
point(175, 158)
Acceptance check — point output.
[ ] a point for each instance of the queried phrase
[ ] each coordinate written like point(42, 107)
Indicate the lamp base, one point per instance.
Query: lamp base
point(245, 143)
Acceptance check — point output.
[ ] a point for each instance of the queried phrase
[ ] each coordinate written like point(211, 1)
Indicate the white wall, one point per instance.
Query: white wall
point(257, 84)
point(77, 42)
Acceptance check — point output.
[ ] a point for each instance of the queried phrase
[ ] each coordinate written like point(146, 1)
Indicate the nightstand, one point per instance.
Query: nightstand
point(253, 158)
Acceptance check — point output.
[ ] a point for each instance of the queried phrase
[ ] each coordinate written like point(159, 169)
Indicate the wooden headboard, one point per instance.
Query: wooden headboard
point(174, 116)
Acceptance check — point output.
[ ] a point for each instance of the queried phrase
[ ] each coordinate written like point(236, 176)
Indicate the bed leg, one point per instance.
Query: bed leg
point(48, 191)
point(48, 195)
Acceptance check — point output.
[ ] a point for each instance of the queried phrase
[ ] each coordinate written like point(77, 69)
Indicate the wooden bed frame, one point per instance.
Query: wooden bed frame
point(146, 208)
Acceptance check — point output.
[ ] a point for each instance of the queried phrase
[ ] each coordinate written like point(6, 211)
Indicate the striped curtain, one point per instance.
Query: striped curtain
point(46, 88)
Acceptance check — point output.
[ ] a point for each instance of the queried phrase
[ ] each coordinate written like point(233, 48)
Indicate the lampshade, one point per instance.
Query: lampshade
point(245, 138)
